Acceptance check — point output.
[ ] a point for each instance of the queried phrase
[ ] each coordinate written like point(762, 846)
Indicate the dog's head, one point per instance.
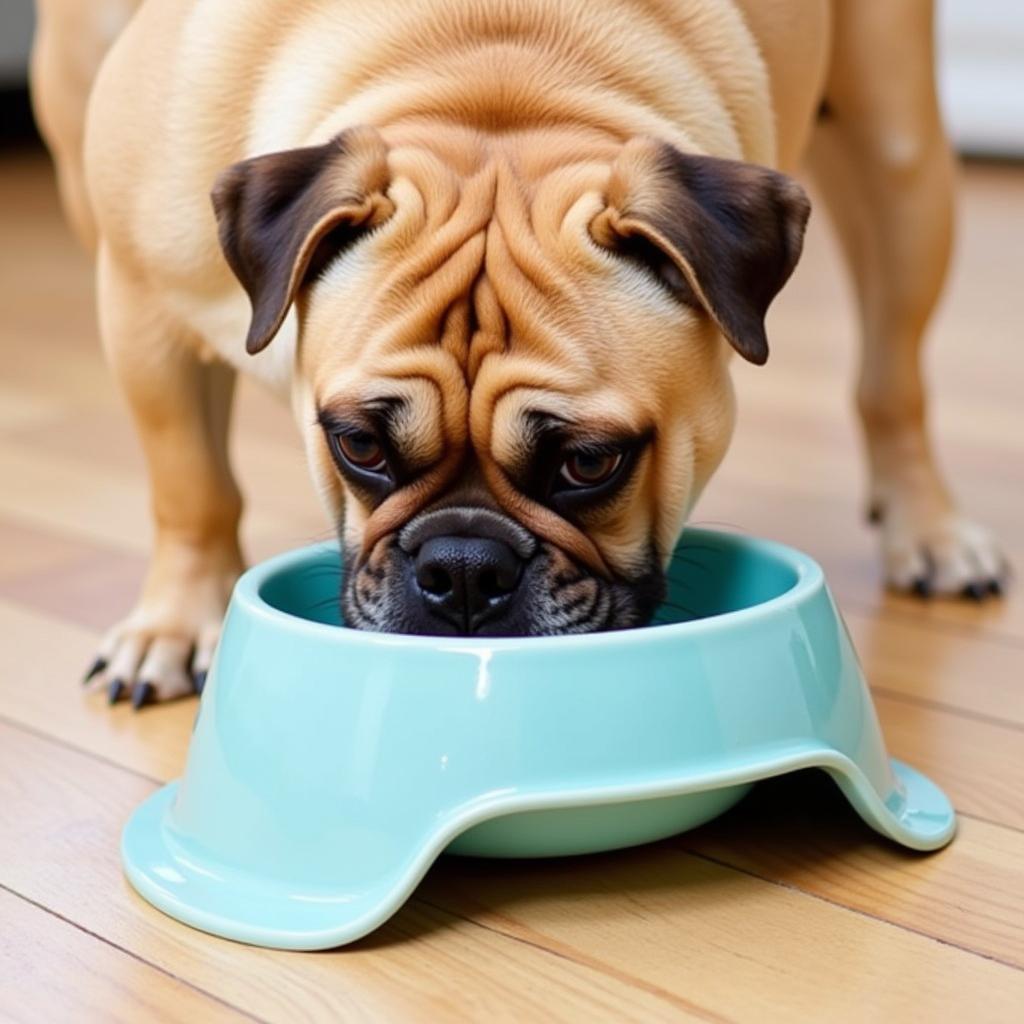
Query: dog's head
point(513, 363)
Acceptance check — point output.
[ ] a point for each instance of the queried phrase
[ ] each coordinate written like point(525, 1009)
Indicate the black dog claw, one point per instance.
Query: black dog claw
point(976, 591)
point(922, 586)
point(142, 695)
point(115, 691)
point(199, 681)
point(98, 665)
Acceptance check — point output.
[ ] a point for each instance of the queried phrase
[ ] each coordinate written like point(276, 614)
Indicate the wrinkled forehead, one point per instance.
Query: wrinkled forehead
point(481, 286)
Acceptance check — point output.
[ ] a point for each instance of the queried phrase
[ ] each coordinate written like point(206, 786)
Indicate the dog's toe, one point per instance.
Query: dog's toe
point(145, 669)
point(164, 648)
point(952, 557)
point(114, 670)
point(908, 567)
point(165, 671)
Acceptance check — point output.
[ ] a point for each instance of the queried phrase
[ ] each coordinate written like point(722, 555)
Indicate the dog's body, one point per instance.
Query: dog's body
point(503, 226)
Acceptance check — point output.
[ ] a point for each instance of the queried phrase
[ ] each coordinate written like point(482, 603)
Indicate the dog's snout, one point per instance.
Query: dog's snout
point(469, 522)
point(466, 580)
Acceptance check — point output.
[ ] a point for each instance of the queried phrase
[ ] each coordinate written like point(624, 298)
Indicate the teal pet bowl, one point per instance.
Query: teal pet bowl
point(330, 767)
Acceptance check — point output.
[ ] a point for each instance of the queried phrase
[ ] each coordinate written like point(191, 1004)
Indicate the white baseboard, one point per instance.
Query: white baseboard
point(981, 59)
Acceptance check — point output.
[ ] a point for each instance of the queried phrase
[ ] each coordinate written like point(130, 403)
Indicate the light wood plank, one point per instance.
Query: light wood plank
point(153, 744)
point(977, 763)
point(62, 495)
point(74, 580)
point(41, 665)
point(682, 934)
point(798, 832)
point(958, 670)
point(50, 971)
point(427, 964)
point(31, 552)
point(753, 953)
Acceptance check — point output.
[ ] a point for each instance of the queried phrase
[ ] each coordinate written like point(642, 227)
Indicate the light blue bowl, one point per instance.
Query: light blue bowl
point(330, 767)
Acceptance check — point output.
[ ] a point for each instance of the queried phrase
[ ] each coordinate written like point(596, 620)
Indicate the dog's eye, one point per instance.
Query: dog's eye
point(588, 469)
point(362, 451)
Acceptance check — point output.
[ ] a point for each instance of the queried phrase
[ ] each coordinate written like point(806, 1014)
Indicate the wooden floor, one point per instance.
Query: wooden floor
point(787, 909)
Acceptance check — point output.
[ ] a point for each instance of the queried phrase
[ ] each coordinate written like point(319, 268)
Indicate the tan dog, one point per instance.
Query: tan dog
point(498, 256)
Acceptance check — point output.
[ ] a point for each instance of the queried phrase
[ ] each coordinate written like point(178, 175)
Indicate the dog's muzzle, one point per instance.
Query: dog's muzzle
point(464, 569)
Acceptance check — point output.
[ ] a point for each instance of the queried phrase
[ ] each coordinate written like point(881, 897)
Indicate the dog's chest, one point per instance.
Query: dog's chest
point(222, 324)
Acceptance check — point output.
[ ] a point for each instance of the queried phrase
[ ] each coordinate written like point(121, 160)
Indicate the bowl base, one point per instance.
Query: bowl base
point(567, 831)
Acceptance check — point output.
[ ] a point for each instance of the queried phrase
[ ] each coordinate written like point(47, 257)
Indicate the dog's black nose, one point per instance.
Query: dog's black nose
point(466, 580)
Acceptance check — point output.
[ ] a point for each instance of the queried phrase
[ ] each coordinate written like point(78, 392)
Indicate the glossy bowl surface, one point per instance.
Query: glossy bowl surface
point(330, 767)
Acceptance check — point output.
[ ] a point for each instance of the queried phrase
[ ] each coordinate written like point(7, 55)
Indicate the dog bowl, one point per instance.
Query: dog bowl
point(330, 767)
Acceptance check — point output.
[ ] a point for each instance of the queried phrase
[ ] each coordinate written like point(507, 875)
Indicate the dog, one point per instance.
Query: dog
point(498, 257)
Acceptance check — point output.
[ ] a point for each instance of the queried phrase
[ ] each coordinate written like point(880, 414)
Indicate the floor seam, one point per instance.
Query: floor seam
point(989, 821)
point(655, 990)
point(130, 953)
point(854, 910)
point(937, 705)
point(59, 741)
point(903, 616)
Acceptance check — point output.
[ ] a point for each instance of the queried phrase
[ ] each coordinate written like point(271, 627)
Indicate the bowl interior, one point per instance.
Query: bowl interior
point(709, 574)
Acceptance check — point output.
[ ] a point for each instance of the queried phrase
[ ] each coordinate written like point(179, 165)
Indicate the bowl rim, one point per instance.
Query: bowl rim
point(247, 598)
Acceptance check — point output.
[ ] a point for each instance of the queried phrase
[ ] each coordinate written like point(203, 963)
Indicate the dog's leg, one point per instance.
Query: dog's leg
point(181, 406)
point(884, 165)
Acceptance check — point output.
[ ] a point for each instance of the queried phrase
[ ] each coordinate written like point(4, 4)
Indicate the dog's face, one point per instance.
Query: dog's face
point(513, 365)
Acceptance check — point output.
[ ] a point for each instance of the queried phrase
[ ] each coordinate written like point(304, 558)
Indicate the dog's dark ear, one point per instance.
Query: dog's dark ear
point(723, 234)
point(283, 216)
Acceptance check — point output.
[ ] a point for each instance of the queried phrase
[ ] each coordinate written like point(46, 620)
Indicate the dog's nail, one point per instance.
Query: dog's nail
point(115, 690)
point(875, 514)
point(94, 670)
point(142, 694)
point(995, 588)
point(975, 591)
point(922, 587)
point(199, 681)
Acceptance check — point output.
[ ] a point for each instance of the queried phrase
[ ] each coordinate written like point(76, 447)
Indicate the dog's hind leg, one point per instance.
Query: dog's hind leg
point(181, 407)
point(883, 163)
point(71, 40)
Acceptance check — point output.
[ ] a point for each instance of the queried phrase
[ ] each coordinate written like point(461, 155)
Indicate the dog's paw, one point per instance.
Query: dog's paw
point(163, 649)
point(940, 554)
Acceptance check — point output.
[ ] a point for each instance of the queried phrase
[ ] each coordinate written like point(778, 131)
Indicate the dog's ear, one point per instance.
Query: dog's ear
point(723, 234)
point(283, 216)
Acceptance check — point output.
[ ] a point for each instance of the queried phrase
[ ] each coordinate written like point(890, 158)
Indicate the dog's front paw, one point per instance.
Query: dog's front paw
point(163, 649)
point(939, 553)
